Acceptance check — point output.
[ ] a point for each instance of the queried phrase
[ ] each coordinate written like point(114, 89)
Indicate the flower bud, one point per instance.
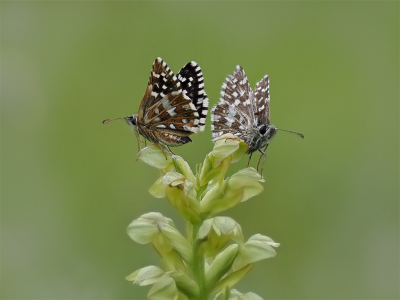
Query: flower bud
point(143, 229)
point(220, 198)
point(181, 166)
point(248, 179)
point(232, 278)
point(218, 173)
point(178, 242)
point(160, 231)
point(185, 284)
point(240, 187)
point(187, 206)
point(217, 232)
point(221, 265)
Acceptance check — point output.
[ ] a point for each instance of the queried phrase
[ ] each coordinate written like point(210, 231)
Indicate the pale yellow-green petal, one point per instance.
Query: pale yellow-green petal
point(142, 231)
point(251, 189)
point(163, 289)
point(157, 190)
point(225, 146)
point(240, 152)
point(155, 157)
point(148, 275)
point(243, 177)
point(255, 249)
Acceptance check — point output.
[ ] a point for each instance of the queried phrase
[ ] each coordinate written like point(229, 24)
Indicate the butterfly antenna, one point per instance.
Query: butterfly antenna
point(300, 134)
point(108, 120)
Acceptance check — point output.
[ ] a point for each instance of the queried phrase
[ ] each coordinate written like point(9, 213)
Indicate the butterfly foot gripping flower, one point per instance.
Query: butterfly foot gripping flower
point(245, 113)
point(173, 107)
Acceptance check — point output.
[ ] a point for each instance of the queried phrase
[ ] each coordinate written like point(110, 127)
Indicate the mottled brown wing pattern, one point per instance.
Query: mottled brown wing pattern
point(162, 82)
point(261, 101)
point(174, 112)
point(168, 114)
point(173, 107)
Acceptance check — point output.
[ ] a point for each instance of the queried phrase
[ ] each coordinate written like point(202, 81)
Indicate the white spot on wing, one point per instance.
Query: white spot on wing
point(172, 112)
point(165, 103)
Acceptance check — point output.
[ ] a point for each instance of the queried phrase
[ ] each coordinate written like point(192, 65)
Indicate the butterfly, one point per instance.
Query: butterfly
point(172, 108)
point(245, 113)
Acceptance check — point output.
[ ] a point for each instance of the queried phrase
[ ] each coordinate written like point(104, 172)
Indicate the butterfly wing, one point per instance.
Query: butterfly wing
point(235, 112)
point(162, 82)
point(192, 84)
point(173, 119)
point(261, 101)
point(174, 112)
point(166, 114)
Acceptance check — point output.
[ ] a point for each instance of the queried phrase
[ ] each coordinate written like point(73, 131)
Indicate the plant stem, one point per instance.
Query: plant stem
point(198, 265)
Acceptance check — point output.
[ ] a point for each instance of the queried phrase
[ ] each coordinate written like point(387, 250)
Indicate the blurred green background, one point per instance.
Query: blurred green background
point(70, 185)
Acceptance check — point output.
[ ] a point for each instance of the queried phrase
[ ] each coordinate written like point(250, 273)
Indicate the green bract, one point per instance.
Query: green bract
point(212, 257)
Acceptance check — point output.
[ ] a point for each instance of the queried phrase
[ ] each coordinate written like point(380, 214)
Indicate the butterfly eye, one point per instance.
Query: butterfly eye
point(263, 129)
point(131, 120)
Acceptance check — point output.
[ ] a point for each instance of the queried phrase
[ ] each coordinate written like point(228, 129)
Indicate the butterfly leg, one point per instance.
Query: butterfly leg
point(262, 154)
point(139, 142)
point(162, 149)
point(170, 150)
point(248, 163)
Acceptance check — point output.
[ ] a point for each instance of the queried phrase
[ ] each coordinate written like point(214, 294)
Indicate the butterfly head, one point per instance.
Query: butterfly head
point(267, 131)
point(131, 120)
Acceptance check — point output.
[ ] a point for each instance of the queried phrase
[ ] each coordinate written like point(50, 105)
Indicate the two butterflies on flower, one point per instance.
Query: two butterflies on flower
point(175, 107)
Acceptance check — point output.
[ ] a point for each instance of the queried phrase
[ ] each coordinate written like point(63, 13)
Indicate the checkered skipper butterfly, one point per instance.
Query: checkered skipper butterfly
point(244, 113)
point(173, 107)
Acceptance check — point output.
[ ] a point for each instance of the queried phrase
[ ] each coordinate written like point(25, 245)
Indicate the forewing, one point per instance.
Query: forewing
point(234, 112)
point(162, 82)
point(192, 84)
point(261, 100)
point(237, 92)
